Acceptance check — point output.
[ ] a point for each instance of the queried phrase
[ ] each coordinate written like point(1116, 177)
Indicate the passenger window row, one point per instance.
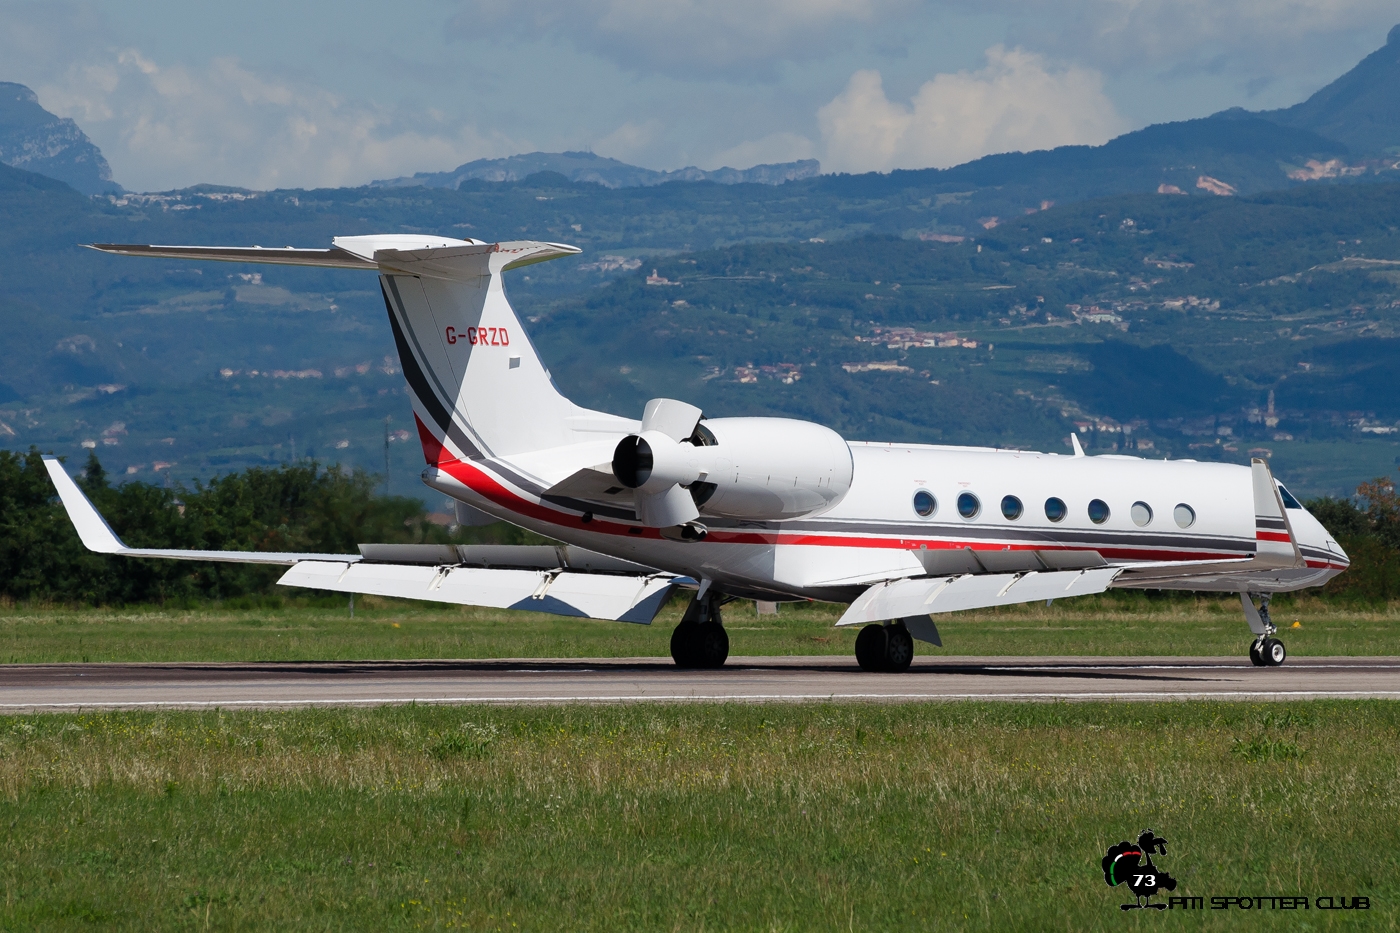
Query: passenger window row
point(969, 507)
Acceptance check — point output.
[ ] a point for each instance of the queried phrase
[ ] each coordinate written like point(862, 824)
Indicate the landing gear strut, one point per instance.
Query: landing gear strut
point(888, 647)
point(1265, 650)
point(700, 641)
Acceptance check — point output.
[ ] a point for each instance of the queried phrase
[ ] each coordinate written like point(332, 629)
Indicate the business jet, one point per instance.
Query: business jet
point(770, 509)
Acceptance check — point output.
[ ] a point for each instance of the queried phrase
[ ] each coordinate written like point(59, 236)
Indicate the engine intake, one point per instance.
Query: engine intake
point(764, 469)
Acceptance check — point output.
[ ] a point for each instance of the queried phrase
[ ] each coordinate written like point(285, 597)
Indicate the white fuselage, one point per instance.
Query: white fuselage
point(875, 531)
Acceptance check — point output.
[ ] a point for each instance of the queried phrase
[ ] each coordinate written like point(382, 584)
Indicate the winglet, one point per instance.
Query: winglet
point(1074, 442)
point(93, 529)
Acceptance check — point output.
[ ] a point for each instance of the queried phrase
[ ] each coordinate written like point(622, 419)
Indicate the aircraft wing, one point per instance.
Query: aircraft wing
point(98, 536)
point(562, 580)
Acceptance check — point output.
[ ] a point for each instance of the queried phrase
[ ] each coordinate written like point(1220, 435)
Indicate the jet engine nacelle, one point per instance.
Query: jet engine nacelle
point(761, 469)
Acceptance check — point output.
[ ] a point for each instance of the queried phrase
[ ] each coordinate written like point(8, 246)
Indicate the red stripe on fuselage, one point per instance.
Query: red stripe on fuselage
point(1280, 536)
point(488, 486)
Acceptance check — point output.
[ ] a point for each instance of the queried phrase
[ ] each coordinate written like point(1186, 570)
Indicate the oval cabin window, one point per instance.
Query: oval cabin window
point(968, 506)
point(1011, 508)
point(1055, 509)
point(1185, 515)
point(1098, 511)
point(924, 503)
point(1142, 514)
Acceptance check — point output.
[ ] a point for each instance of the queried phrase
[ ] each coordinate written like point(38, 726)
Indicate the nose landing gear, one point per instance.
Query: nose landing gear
point(1265, 650)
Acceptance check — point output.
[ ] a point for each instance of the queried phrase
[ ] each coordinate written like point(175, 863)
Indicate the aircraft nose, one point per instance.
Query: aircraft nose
point(1338, 555)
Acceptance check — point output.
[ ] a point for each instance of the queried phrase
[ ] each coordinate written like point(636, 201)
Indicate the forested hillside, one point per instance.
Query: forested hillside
point(1158, 324)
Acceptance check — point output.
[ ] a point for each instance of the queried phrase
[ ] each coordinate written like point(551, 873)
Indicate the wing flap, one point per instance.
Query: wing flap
point(900, 599)
point(619, 597)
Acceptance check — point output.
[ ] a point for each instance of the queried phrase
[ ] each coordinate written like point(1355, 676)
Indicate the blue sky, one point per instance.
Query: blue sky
point(266, 94)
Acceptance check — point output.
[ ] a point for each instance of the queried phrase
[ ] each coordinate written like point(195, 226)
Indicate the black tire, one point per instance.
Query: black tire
point(684, 645)
point(870, 648)
point(899, 649)
point(1274, 652)
point(711, 645)
point(1256, 655)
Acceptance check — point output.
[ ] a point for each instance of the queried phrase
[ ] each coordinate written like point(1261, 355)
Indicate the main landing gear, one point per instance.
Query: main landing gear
point(700, 641)
point(888, 647)
point(1265, 650)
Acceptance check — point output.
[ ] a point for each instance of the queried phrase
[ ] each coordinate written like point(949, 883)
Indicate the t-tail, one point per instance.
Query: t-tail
point(479, 389)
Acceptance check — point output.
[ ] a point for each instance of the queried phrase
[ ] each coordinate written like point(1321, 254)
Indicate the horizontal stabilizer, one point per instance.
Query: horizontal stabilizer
point(566, 593)
point(333, 258)
point(414, 254)
point(921, 596)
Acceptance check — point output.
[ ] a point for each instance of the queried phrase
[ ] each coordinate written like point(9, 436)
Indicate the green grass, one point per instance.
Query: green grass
point(853, 817)
point(1121, 624)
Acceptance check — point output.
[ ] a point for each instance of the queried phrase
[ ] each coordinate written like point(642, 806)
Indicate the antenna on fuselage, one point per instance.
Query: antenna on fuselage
point(1074, 442)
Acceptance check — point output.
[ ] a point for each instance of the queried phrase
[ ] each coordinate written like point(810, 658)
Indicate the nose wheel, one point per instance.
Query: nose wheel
point(1267, 652)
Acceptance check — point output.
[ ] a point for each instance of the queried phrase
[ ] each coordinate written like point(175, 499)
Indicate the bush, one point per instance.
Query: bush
point(1368, 529)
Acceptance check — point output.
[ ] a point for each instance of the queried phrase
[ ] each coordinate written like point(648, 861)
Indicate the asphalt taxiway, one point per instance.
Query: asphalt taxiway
point(35, 687)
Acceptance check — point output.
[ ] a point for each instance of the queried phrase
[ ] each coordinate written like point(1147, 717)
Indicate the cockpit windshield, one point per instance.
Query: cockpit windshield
point(1288, 501)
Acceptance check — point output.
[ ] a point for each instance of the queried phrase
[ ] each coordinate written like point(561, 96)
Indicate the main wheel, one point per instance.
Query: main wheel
point(1274, 652)
point(899, 649)
point(711, 645)
point(1256, 654)
point(871, 648)
point(684, 644)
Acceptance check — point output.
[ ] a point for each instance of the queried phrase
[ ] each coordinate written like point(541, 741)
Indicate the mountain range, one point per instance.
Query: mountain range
point(599, 170)
point(954, 306)
point(1360, 109)
point(31, 138)
point(1349, 131)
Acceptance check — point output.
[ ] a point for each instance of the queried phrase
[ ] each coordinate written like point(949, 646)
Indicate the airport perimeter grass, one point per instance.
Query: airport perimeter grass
point(1120, 624)
point(982, 816)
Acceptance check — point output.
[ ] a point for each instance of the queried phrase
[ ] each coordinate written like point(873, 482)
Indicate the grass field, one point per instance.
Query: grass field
point(853, 817)
point(1115, 625)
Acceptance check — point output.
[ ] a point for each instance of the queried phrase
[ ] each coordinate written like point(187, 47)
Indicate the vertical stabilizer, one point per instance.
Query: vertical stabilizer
point(479, 388)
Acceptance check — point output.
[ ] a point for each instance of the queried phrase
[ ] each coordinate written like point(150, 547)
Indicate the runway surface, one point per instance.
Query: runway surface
point(33, 687)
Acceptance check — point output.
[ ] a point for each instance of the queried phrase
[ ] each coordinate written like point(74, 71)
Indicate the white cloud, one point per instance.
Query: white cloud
point(775, 147)
point(1017, 103)
point(629, 140)
point(713, 38)
point(171, 126)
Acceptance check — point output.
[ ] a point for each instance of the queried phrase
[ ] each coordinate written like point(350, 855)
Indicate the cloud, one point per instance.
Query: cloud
point(1016, 103)
point(775, 147)
point(629, 140)
point(220, 122)
point(685, 38)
